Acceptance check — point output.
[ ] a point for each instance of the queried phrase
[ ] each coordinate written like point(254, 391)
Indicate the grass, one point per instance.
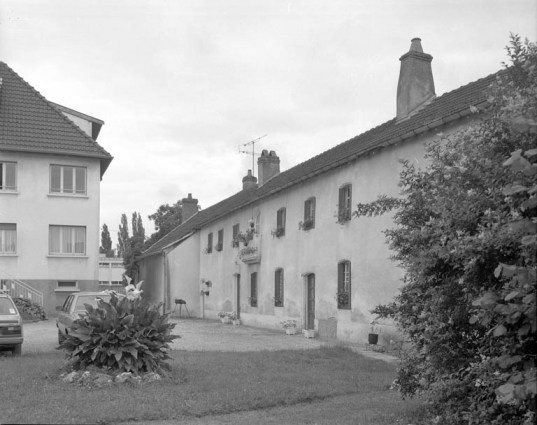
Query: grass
point(205, 384)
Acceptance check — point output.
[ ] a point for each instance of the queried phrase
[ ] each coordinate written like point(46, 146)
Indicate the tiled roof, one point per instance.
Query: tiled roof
point(446, 108)
point(30, 123)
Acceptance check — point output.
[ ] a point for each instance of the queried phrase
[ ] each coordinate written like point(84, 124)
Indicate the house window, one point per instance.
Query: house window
point(67, 286)
point(253, 289)
point(69, 180)
point(345, 203)
point(8, 238)
point(280, 221)
point(67, 240)
point(344, 285)
point(8, 176)
point(234, 241)
point(309, 214)
point(220, 244)
point(278, 288)
point(210, 243)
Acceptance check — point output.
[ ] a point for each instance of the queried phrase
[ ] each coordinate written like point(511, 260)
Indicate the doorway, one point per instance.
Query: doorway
point(310, 301)
point(238, 299)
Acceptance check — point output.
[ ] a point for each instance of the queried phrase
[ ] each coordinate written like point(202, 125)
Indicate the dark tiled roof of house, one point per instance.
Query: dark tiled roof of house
point(441, 110)
point(30, 123)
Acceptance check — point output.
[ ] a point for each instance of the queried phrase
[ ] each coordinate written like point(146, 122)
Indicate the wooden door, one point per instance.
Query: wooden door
point(238, 296)
point(310, 302)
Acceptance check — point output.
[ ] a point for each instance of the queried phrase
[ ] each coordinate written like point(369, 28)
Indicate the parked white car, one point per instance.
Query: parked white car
point(11, 328)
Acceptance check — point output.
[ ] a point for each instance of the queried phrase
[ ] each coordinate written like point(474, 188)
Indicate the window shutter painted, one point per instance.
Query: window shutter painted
point(68, 177)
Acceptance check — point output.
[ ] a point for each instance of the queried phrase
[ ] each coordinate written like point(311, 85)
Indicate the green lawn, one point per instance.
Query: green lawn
point(204, 384)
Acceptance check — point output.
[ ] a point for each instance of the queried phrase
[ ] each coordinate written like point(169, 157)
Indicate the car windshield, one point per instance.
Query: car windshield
point(89, 299)
point(7, 306)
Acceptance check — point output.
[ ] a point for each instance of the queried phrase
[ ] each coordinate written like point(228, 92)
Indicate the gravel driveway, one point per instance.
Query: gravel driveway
point(200, 335)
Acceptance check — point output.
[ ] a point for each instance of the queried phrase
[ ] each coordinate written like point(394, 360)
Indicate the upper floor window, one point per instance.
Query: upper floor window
point(344, 285)
point(345, 204)
point(220, 244)
point(209, 248)
point(234, 240)
point(8, 176)
point(280, 223)
point(67, 240)
point(67, 179)
point(278, 288)
point(8, 238)
point(309, 214)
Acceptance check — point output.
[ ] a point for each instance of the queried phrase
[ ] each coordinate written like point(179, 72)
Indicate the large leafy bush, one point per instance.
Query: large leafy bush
point(30, 308)
point(466, 238)
point(125, 334)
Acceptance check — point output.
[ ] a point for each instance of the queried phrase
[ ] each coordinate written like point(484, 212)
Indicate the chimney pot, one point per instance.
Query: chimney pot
point(189, 207)
point(249, 181)
point(268, 166)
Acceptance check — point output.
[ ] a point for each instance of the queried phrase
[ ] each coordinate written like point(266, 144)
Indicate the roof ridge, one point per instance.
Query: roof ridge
point(445, 108)
point(57, 110)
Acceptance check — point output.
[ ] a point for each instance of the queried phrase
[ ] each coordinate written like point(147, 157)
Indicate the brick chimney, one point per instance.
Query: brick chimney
point(249, 181)
point(416, 85)
point(190, 207)
point(268, 165)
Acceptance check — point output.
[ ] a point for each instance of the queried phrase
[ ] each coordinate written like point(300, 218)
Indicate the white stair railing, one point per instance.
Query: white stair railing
point(18, 289)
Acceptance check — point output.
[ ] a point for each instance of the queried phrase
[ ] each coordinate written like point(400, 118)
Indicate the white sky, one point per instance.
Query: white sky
point(180, 84)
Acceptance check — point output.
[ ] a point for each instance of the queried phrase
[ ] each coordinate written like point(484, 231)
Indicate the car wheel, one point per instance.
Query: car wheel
point(17, 350)
point(61, 337)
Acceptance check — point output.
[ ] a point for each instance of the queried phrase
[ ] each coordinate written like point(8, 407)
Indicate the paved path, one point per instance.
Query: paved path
point(202, 335)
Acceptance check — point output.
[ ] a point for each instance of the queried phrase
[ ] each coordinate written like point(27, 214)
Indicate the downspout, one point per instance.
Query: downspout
point(166, 289)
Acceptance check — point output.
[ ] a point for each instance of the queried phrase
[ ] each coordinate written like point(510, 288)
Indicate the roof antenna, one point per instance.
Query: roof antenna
point(253, 142)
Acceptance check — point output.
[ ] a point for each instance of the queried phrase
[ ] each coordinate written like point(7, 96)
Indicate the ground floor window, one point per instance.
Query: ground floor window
point(344, 285)
point(278, 288)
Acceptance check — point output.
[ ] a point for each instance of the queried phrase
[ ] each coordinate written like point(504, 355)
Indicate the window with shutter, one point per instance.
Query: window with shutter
point(344, 285)
point(278, 288)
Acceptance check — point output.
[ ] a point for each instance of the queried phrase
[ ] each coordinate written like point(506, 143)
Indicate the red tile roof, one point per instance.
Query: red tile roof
point(30, 123)
point(443, 109)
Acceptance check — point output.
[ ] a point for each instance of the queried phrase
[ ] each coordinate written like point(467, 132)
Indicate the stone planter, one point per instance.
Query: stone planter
point(290, 331)
point(225, 320)
point(236, 321)
point(309, 333)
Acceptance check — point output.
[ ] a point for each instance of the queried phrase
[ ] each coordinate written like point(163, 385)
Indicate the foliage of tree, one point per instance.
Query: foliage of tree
point(106, 240)
point(123, 236)
point(465, 236)
point(166, 218)
point(135, 245)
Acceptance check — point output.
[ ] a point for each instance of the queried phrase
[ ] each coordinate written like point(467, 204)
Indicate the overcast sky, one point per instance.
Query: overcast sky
point(182, 84)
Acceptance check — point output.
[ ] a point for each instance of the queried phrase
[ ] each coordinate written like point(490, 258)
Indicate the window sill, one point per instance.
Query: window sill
point(9, 192)
point(66, 290)
point(66, 195)
point(8, 255)
point(66, 256)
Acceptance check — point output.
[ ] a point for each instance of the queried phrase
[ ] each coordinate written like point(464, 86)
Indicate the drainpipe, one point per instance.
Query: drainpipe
point(165, 294)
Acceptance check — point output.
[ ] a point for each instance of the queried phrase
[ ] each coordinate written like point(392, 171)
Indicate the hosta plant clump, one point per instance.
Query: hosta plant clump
point(124, 334)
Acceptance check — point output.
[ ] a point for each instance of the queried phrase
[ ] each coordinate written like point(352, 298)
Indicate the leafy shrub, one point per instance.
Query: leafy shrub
point(31, 308)
point(125, 334)
point(466, 238)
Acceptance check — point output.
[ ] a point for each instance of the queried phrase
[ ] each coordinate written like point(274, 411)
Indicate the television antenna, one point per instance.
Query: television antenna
point(252, 152)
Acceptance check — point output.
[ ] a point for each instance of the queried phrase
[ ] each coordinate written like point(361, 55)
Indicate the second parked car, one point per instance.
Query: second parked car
point(73, 308)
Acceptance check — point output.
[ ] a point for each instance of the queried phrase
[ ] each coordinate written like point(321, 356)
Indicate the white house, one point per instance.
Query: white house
point(50, 172)
point(308, 259)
